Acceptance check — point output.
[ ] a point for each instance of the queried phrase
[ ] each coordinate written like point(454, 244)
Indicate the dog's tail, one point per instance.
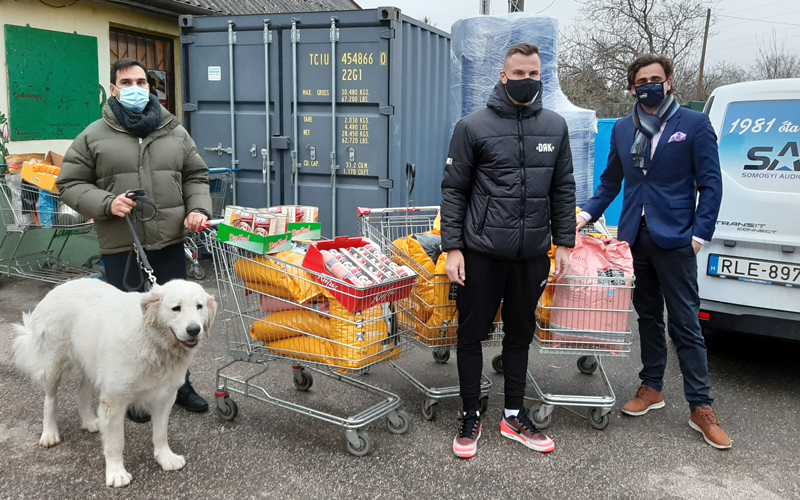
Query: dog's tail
point(30, 354)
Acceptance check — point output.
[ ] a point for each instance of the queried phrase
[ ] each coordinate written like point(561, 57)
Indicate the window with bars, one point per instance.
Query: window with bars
point(157, 56)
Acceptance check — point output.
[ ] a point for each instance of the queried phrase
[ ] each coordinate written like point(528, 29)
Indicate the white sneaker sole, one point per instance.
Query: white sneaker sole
point(517, 438)
point(654, 406)
point(698, 429)
point(466, 454)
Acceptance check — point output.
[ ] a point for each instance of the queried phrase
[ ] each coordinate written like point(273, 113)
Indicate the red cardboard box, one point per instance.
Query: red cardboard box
point(353, 298)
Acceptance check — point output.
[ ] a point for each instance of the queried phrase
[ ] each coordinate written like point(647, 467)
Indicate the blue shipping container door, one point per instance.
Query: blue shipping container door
point(357, 107)
point(602, 146)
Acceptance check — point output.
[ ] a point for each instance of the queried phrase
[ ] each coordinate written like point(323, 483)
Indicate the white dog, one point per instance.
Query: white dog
point(134, 348)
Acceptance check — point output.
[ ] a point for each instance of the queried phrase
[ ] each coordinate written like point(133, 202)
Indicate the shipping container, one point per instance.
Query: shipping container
point(357, 108)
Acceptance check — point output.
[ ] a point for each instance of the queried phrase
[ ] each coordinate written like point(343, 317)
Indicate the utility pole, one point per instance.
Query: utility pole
point(703, 58)
point(485, 7)
point(516, 5)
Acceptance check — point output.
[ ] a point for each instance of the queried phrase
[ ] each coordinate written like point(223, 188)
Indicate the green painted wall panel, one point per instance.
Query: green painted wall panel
point(53, 85)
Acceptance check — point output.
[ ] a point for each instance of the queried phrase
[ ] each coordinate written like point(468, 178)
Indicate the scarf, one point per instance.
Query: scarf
point(139, 124)
point(647, 126)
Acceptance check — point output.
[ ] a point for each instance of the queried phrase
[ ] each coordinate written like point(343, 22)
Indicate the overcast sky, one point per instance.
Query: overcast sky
point(734, 40)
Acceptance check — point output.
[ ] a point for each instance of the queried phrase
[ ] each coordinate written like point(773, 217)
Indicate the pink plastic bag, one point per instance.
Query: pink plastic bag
point(592, 306)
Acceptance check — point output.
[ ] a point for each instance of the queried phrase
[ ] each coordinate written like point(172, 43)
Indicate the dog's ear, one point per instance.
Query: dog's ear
point(151, 302)
point(211, 305)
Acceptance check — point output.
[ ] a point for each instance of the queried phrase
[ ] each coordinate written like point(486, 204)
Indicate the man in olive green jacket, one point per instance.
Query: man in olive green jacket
point(138, 144)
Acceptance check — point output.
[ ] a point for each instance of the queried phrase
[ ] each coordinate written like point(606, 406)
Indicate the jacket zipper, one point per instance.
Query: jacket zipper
point(524, 188)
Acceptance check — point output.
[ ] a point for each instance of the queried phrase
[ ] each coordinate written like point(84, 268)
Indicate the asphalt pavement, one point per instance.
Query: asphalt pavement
point(270, 452)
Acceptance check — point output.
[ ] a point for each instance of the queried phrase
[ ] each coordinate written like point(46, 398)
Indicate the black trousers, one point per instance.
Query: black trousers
point(169, 263)
point(518, 284)
point(670, 276)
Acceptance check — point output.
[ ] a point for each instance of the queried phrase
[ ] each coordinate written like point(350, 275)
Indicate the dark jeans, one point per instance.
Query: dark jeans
point(489, 281)
point(169, 263)
point(670, 275)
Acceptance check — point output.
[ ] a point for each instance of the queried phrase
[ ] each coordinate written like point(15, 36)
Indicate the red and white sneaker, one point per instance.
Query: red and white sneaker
point(465, 444)
point(520, 428)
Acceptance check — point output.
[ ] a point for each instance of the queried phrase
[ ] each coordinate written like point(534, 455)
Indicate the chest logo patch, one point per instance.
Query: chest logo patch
point(545, 148)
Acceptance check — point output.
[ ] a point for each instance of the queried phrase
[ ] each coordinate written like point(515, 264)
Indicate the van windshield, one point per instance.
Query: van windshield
point(709, 103)
point(759, 146)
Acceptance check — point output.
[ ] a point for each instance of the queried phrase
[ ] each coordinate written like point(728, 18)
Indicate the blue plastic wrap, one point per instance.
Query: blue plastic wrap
point(479, 46)
point(48, 203)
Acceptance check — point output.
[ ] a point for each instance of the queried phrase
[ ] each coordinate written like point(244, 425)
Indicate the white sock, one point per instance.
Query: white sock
point(511, 413)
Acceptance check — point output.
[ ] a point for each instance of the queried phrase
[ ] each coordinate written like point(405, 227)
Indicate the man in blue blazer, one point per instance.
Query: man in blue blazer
point(667, 156)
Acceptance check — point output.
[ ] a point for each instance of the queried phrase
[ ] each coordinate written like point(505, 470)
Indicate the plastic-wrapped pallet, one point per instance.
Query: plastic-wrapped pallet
point(479, 47)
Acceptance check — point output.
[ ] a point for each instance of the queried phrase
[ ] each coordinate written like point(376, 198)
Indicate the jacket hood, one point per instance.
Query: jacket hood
point(500, 103)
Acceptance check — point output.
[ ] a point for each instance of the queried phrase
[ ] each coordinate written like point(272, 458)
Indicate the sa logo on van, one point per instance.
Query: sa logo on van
point(763, 156)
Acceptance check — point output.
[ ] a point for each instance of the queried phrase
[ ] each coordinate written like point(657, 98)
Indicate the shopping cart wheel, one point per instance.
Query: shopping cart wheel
point(484, 402)
point(497, 363)
point(363, 446)
point(227, 409)
point(302, 380)
point(194, 271)
point(400, 423)
point(429, 409)
point(587, 364)
point(541, 423)
point(598, 419)
point(441, 356)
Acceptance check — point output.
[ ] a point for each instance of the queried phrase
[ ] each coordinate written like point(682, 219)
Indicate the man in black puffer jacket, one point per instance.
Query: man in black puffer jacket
point(508, 187)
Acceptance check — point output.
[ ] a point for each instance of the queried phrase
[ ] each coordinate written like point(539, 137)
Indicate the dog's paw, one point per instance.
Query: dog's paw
point(118, 477)
point(170, 461)
point(91, 426)
point(49, 439)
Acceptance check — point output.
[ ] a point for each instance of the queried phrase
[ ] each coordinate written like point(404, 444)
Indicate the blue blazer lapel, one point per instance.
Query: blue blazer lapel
point(672, 126)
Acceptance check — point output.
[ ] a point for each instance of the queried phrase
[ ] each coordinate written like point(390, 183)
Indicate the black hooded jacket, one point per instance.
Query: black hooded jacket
point(508, 181)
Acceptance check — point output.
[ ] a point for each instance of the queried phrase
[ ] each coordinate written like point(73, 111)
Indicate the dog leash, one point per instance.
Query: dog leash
point(138, 195)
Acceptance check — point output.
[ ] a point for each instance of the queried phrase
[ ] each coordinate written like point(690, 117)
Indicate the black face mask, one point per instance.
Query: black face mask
point(524, 91)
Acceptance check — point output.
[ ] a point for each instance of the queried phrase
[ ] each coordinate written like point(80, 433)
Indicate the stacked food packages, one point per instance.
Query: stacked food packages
point(261, 221)
point(34, 201)
point(333, 310)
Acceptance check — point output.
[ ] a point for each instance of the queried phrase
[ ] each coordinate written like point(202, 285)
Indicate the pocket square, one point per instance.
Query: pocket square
point(677, 137)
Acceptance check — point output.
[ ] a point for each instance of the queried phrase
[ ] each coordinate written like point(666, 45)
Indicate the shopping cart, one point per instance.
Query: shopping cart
point(220, 183)
point(586, 317)
point(274, 310)
point(429, 316)
point(34, 218)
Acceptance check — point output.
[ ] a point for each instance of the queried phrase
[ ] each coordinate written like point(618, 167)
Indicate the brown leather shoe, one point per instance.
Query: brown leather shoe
point(704, 420)
point(646, 399)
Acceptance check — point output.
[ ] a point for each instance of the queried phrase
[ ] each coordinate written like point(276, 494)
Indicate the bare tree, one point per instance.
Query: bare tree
point(609, 34)
point(722, 73)
point(427, 20)
point(774, 61)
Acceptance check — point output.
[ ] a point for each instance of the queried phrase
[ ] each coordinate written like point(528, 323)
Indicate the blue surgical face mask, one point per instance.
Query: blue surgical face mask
point(650, 94)
point(134, 98)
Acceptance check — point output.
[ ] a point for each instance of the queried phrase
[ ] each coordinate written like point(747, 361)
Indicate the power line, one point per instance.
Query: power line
point(720, 49)
point(758, 6)
point(717, 40)
point(760, 20)
point(748, 20)
point(551, 4)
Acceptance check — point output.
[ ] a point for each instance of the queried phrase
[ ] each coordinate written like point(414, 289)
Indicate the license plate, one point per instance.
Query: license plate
point(754, 271)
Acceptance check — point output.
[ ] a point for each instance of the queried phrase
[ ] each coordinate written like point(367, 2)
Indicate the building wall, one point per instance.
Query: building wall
point(89, 18)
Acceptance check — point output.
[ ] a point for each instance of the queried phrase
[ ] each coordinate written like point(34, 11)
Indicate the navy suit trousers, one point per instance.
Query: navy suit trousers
point(671, 276)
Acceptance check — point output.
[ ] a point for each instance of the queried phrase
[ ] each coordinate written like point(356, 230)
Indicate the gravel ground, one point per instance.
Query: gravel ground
point(269, 452)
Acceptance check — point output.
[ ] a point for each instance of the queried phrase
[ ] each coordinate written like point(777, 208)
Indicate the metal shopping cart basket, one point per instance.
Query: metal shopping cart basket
point(27, 210)
point(275, 310)
point(587, 317)
point(220, 184)
point(428, 316)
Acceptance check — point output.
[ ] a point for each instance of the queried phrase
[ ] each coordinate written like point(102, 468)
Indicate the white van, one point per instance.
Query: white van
point(749, 274)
